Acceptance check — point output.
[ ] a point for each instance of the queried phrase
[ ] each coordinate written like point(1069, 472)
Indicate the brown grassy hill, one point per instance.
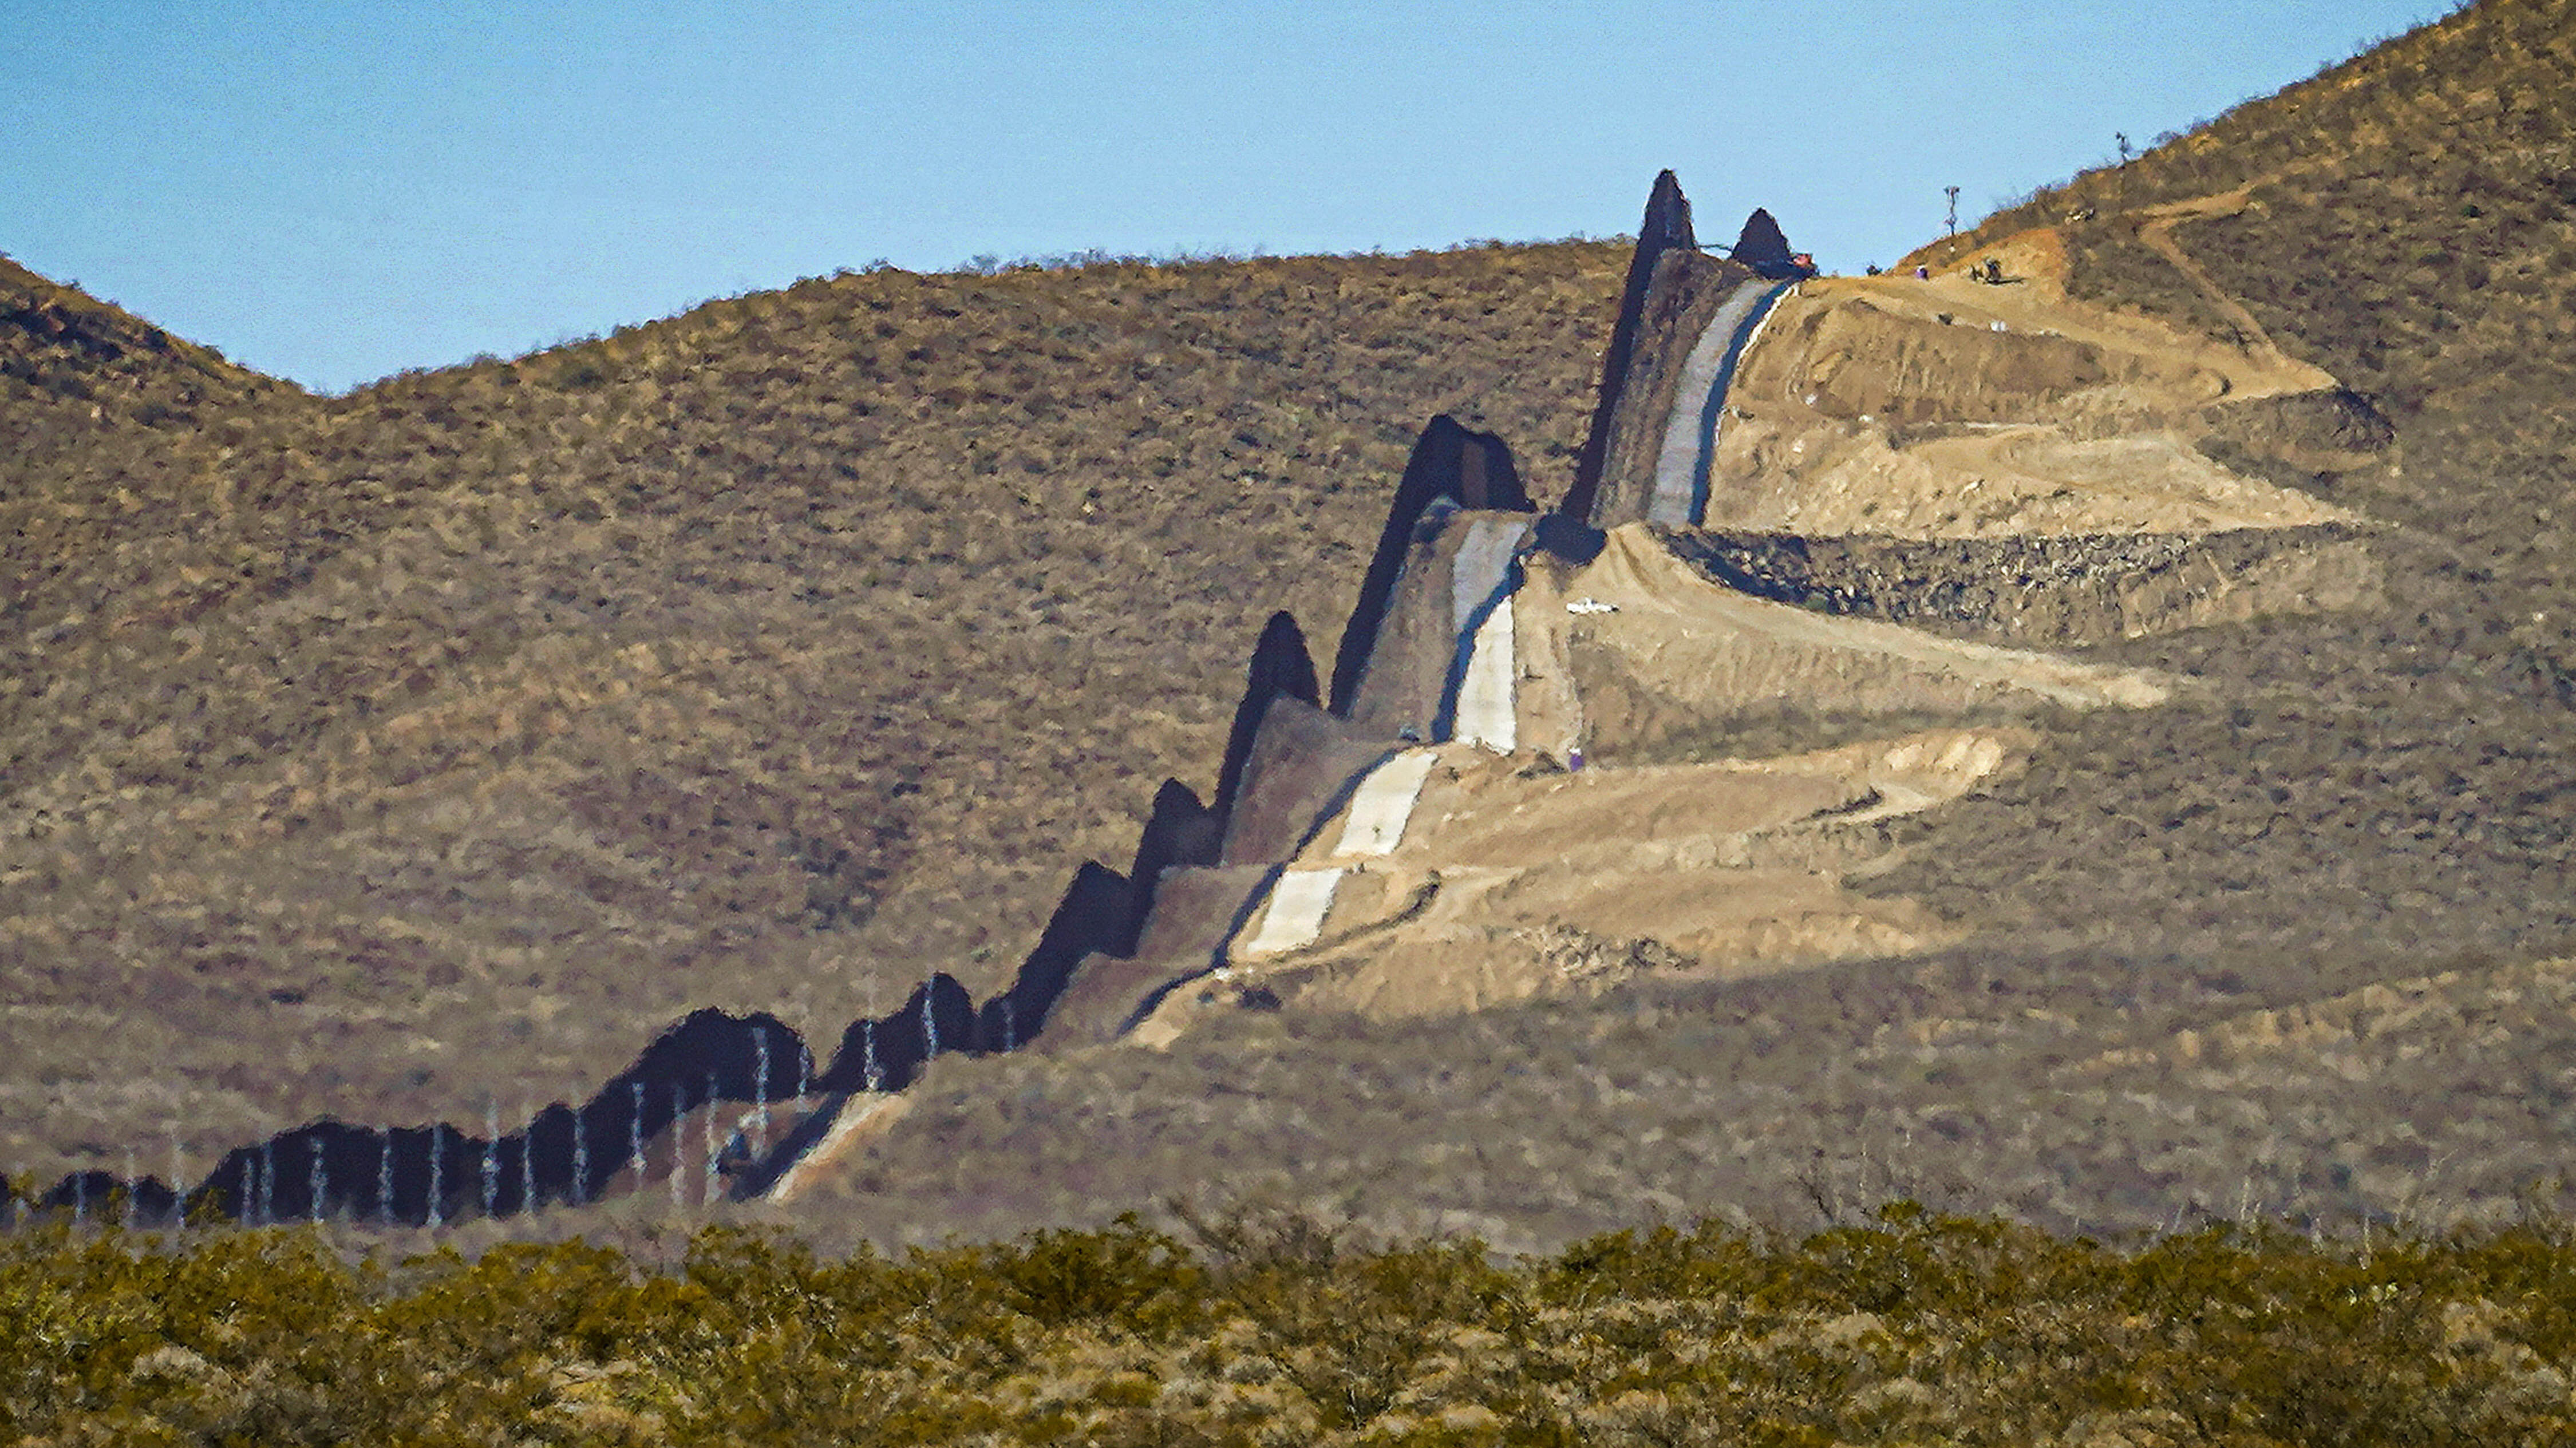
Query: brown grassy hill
point(373, 754)
point(2407, 220)
point(111, 433)
point(2401, 780)
point(78, 368)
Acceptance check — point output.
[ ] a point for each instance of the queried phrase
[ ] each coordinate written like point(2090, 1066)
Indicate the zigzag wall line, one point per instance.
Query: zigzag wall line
point(1460, 684)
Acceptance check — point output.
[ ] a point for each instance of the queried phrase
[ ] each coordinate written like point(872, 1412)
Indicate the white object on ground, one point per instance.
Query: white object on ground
point(1383, 803)
point(1295, 916)
point(1590, 605)
point(1486, 712)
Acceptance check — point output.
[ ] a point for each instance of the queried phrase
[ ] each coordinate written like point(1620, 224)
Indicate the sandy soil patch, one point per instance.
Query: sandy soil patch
point(1952, 408)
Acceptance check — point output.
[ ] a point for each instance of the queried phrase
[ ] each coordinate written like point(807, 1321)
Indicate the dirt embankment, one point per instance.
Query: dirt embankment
point(1956, 409)
point(1514, 878)
point(2048, 591)
point(1896, 493)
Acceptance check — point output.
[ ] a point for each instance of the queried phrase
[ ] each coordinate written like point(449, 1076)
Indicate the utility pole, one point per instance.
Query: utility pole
point(1953, 193)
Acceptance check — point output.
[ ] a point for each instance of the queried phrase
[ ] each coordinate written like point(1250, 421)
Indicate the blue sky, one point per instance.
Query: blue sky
point(331, 192)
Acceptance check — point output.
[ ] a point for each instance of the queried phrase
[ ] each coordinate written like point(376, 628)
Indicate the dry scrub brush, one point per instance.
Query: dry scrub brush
point(1905, 1327)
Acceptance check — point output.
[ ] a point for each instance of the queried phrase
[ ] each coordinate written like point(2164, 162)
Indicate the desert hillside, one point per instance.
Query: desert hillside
point(2081, 733)
point(2406, 222)
point(373, 755)
point(2403, 220)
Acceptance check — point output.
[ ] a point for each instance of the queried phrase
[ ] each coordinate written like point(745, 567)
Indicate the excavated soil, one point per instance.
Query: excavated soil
point(1515, 878)
point(1951, 408)
point(1656, 650)
point(2048, 591)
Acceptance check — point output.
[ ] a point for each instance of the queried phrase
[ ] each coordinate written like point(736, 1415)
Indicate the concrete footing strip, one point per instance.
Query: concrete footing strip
point(1481, 567)
point(1298, 903)
point(1487, 711)
point(1476, 699)
point(1383, 804)
point(1680, 495)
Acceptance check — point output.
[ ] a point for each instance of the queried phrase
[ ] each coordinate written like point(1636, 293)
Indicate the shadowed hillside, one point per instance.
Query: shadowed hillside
point(374, 754)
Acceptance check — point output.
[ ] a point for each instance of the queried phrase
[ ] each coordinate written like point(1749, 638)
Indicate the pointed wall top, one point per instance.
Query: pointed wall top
point(1666, 228)
point(1668, 216)
point(1280, 665)
point(1762, 244)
